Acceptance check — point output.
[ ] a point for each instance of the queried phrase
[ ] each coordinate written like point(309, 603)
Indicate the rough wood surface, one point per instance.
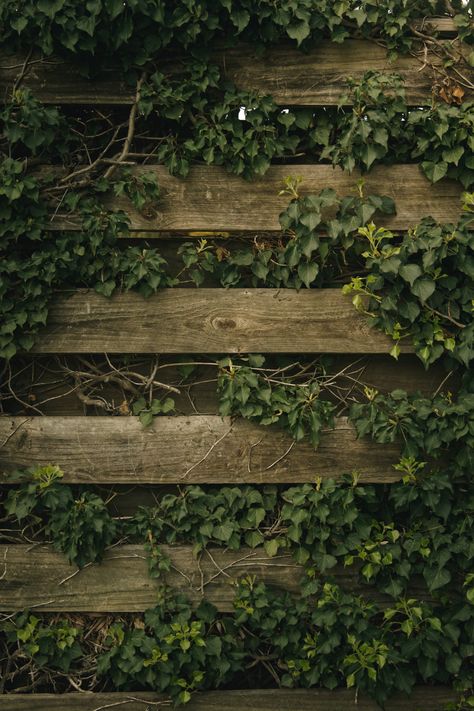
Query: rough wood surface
point(37, 576)
point(427, 698)
point(182, 450)
point(317, 77)
point(210, 198)
point(210, 321)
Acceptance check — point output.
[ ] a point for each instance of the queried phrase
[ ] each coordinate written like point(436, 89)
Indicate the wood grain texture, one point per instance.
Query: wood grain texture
point(38, 576)
point(182, 450)
point(314, 78)
point(210, 198)
point(210, 321)
point(319, 77)
point(423, 698)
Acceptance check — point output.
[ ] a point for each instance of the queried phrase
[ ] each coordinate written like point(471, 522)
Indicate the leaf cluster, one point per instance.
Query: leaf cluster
point(317, 231)
point(103, 31)
point(420, 287)
point(79, 526)
point(297, 408)
point(177, 651)
point(49, 645)
point(328, 638)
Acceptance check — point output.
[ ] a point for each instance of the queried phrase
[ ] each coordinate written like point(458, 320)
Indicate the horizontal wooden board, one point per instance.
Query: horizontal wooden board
point(181, 450)
point(426, 698)
point(210, 198)
point(210, 321)
point(37, 576)
point(314, 78)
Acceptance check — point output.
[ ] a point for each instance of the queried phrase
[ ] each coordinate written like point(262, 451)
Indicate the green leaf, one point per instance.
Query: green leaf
point(307, 272)
point(253, 539)
point(410, 272)
point(434, 171)
point(223, 531)
point(423, 288)
point(271, 547)
point(453, 155)
point(298, 31)
point(436, 578)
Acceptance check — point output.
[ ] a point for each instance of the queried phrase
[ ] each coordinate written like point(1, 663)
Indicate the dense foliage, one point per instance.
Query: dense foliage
point(330, 636)
point(58, 231)
point(136, 32)
point(327, 638)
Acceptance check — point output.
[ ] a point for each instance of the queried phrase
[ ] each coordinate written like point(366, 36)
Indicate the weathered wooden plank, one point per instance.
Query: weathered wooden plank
point(212, 198)
point(317, 77)
point(38, 576)
point(427, 698)
point(210, 321)
point(181, 450)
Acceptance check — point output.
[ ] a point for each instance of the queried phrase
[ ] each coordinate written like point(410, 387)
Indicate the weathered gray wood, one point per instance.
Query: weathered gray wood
point(37, 576)
point(426, 698)
point(320, 76)
point(210, 321)
point(316, 78)
point(181, 450)
point(212, 198)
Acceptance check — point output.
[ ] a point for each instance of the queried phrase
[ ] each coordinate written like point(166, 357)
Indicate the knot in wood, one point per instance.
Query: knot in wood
point(148, 212)
point(224, 324)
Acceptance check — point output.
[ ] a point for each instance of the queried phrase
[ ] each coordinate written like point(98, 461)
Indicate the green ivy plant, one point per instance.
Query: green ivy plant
point(421, 526)
point(102, 31)
point(147, 411)
point(80, 526)
point(49, 645)
point(421, 287)
point(327, 639)
point(295, 407)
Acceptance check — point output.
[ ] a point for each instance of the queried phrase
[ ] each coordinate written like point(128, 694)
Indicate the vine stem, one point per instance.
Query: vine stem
point(131, 130)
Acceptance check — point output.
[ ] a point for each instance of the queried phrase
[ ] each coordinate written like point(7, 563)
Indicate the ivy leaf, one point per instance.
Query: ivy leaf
point(308, 272)
point(410, 272)
point(423, 288)
point(253, 539)
point(436, 578)
point(434, 171)
point(298, 31)
point(240, 18)
point(271, 547)
point(223, 531)
point(453, 155)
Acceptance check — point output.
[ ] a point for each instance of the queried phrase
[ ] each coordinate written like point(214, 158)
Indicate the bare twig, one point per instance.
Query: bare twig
point(206, 455)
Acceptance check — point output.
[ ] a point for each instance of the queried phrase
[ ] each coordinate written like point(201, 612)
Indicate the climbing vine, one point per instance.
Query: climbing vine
point(58, 230)
point(389, 537)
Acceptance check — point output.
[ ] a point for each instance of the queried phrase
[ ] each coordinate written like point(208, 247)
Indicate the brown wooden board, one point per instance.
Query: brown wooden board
point(210, 198)
point(187, 450)
point(36, 576)
point(423, 698)
point(210, 321)
point(314, 78)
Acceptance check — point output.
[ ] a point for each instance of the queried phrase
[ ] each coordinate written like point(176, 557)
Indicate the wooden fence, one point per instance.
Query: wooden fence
point(177, 450)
